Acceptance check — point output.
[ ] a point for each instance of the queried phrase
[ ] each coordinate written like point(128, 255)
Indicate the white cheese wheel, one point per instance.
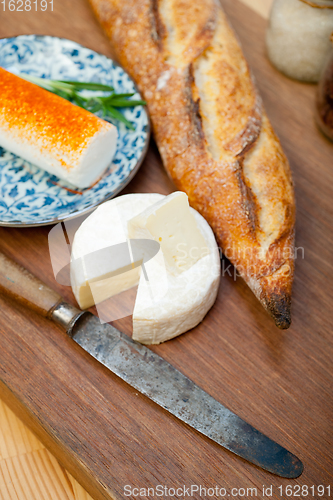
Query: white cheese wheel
point(166, 305)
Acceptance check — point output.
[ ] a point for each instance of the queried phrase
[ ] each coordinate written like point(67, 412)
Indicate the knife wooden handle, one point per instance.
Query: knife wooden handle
point(19, 284)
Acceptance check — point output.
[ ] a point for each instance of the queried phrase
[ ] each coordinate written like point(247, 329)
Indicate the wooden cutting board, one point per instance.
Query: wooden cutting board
point(280, 382)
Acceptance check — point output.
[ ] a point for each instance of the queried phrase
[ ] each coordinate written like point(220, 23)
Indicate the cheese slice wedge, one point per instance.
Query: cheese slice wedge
point(171, 223)
point(52, 133)
point(170, 299)
point(101, 261)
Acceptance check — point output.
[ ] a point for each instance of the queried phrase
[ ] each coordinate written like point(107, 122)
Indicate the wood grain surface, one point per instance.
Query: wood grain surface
point(280, 382)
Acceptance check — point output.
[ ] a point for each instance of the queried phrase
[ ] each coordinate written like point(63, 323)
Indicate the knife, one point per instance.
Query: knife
point(149, 374)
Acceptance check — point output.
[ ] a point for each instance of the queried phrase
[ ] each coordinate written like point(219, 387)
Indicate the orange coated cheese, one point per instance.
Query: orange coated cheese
point(50, 131)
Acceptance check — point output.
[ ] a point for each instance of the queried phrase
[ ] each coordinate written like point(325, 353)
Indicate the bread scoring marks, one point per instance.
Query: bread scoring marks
point(158, 30)
point(246, 138)
point(240, 145)
point(202, 41)
point(183, 29)
point(193, 107)
point(249, 199)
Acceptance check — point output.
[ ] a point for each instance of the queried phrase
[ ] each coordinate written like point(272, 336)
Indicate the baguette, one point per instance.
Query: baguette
point(212, 132)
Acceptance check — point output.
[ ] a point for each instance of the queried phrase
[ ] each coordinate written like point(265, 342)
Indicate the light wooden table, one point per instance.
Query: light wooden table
point(27, 470)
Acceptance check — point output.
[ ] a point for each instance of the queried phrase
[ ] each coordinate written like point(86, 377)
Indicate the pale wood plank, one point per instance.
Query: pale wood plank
point(15, 438)
point(34, 476)
point(28, 475)
point(79, 492)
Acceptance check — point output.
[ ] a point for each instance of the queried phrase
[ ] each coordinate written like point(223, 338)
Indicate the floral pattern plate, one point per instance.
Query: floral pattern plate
point(30, 196)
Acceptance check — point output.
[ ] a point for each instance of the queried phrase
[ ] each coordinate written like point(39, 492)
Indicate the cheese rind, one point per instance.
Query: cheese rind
point(189, 295)
point(52, 133)
point(171, 223)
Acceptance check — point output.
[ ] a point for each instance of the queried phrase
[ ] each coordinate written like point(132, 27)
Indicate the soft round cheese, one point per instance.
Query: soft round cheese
point(166, 304)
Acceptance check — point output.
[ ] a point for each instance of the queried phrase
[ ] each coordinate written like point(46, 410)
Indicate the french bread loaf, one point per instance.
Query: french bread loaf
point(212, 132)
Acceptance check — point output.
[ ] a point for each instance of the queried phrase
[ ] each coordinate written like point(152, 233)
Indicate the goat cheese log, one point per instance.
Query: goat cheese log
point(52, 133)
point(212, 132)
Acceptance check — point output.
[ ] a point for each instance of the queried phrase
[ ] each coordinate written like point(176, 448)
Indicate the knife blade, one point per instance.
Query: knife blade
point(150, 374)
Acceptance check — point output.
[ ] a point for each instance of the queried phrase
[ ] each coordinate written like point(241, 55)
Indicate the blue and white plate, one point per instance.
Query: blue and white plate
point(30, 196)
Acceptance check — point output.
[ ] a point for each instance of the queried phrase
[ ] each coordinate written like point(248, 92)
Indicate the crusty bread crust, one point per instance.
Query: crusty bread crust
point(213, 135)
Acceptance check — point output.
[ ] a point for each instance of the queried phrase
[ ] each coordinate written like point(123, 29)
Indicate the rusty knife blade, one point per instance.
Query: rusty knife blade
point(154, 377)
